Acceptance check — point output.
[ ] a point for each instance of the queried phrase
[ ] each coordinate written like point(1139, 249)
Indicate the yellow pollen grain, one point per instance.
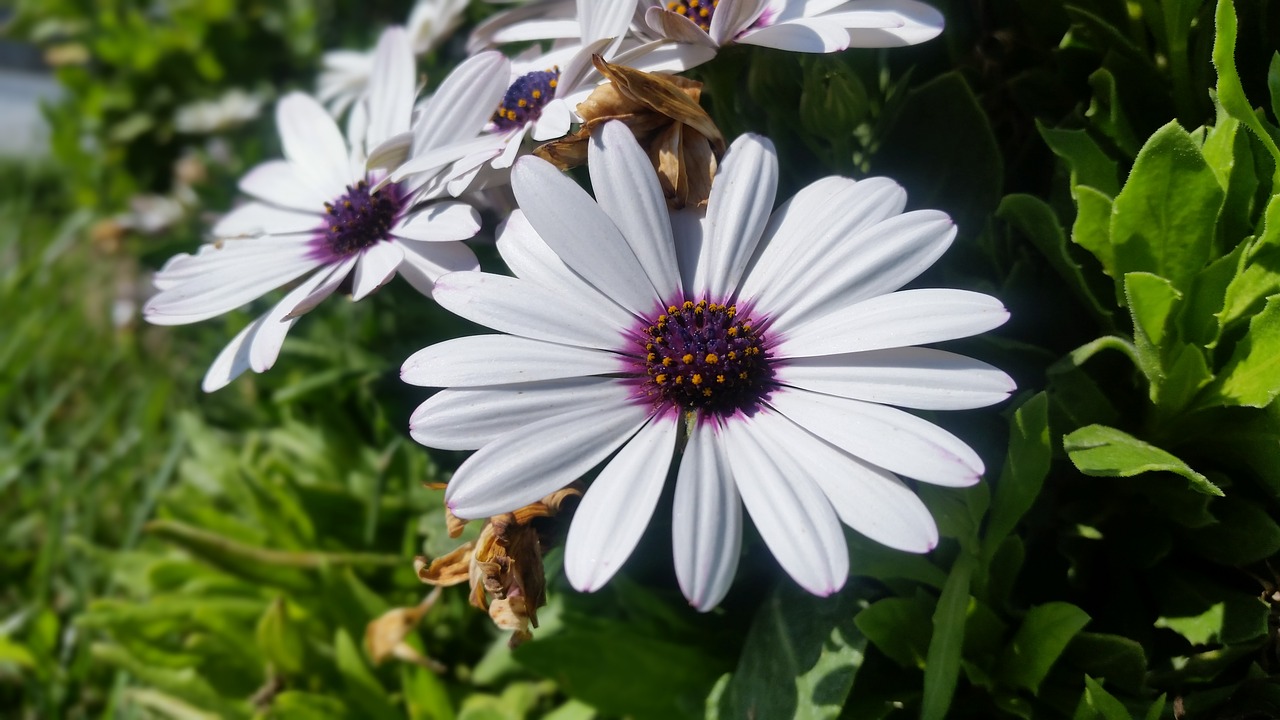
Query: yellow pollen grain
point(688, 304)
point(688, 358)
point(648, 346)
point(696, 379)
point(536, 94)
point(711, 358)
point(650, 357)
point(704, 12)
point(661, 379)
point(679, 379)
point(672, 308)
point(553, 83)
point(733, 331)
point(742, 375)
point(720, 378)
point(732, 355)
point(666, 362)
point(706, 393)
point(732, 311)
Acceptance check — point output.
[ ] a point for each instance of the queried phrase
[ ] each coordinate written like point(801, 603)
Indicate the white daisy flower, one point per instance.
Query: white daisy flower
point(771, 348)
point(323, 214)
point(813, 26)
point(345, 74)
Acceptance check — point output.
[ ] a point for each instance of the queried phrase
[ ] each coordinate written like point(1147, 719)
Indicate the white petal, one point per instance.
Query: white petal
point(807, 232)
point(440, 222)
point(732, 17)
point(913, 377)
point(574, 226)
point(314, 145)
point(689, 227)
point(232, 256)
point(554, 121)
point(257, 346)
point(511, 150)
point(866, 498)
point(391, 87)
point(794, 517)
point(499, 359)
point(377, 264)
point(741, 200)
point(528, 464)
point(464, 102)
point(907, 317)
point(432, 161)
point(604, 19)
point(661, 56)
point(468, 418)
point(627, 189)
point(324, 289)
point(390, 153)
point(617, 507)
point(226, 283)
point(917, 23)
point(875, 261)
point(706, 523)
point(255, 219)
point(276, 182)
point(529, 258)
point(679, 28)
point(888, 437)
point(519, 307)
point(425, 262)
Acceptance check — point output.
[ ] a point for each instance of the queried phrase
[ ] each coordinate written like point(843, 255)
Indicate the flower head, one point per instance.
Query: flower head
point(771, 347)
point(814, 26)
point(329, 212)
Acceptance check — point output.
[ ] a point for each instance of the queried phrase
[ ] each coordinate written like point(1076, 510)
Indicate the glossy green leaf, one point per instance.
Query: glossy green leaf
point(1092, 228)
point(280, 638)
point(1098, 704)
point(1035, 220)
point(1106, 113)
point(1039, 641)
point(1163, 220)
point(899, 627)
point(1103, 451)
point(800, 658)
point(1025, 467)
point(1151, 300)
point(942, 664)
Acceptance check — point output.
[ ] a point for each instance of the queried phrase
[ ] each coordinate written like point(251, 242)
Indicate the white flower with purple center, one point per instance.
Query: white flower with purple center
point(813, 26)
point(327, 213)
point(761, 353)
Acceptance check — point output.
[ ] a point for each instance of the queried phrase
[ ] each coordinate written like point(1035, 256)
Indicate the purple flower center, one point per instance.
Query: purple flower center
point(705, 356)
point(525, 98)
point(699, 11)
point(360, 219)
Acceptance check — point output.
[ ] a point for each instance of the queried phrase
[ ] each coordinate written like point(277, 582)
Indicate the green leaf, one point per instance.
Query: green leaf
point(1260, 276)
point(1185, 376)
point(663, 674)
point(1106, 113)
point(1103, 451)
point(1273, 85)
point(12, 652)
point(1199, 317)
point(899, 627)
point(1092, 228)
point(425, 696)
point(1024, 471)
point(943, 120)
point(942, 664)
point(801, 639)
point(1252, 375)
point(1119, 659)
point(281, 639)
point(1089, 164)
point(1230, 90)
point(1151, 300)
point(1226, 149)
point(1098, 703)
point(1039, 642)
point(362, 689)
point(1163, 219)
point(1035, 220)
point(1244, 534)
point(1197, 629)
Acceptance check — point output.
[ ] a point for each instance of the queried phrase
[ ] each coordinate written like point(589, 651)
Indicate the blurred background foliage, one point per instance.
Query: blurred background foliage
point(1112, 166)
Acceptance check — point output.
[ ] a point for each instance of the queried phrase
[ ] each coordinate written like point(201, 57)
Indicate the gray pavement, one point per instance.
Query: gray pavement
point(23, 130)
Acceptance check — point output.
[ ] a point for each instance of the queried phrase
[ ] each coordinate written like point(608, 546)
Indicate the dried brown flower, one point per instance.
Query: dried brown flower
point(662, 111)
point(503, 565)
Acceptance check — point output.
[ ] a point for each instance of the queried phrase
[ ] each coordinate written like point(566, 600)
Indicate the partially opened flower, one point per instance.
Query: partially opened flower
point(345, 74)
point(681, 139)
point(763, 353)
point(814, 26)
point(327, 212)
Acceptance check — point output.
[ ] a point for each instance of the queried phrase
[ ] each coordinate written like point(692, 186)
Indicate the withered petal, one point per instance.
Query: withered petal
point(660, 94)
point(446, 570)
